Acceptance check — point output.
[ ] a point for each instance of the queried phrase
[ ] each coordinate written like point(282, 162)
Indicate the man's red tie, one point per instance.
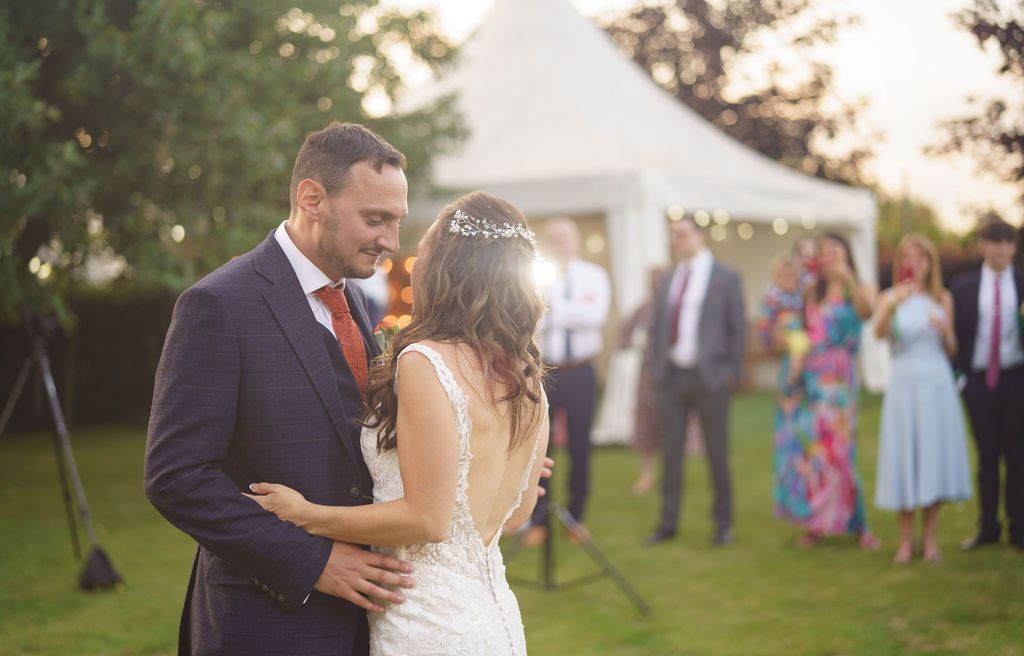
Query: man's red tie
point(347, 332)
point(677, 308)
point(992, 371)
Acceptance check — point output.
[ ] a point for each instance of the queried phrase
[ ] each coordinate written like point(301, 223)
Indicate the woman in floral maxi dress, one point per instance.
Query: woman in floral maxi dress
point(817, 482)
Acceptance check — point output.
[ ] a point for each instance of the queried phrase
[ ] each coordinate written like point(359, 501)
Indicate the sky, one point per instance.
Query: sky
point(912, 65)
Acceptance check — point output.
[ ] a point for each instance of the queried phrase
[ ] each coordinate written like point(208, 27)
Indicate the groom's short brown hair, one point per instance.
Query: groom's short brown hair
point(328, 154)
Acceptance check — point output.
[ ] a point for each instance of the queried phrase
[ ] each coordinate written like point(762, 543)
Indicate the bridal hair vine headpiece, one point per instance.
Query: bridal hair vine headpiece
point(470, 226)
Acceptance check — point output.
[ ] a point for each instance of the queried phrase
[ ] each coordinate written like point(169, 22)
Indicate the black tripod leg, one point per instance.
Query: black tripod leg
point(12, 400)
point(596, 554)
point(66, 494)
point(64, 439)
point(548, 561)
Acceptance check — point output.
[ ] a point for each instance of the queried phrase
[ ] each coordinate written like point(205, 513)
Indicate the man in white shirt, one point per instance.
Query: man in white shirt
point(989, 319)
point(571, 337)
point(697, 342)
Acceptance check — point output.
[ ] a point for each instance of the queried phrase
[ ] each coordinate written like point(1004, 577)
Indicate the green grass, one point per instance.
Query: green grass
point(761, 596)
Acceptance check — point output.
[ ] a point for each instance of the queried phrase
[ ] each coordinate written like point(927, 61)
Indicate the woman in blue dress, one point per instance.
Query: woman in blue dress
point(922, 455)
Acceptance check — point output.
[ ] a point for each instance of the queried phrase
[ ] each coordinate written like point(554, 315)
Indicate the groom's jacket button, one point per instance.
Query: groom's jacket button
point(355, 492)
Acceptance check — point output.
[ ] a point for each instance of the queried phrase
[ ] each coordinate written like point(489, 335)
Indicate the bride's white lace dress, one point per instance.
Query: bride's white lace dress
point(462, 604)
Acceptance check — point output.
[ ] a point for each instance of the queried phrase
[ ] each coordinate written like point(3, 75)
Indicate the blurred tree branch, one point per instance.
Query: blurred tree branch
point(994, 136)
point(145, 142)
point(750, 67)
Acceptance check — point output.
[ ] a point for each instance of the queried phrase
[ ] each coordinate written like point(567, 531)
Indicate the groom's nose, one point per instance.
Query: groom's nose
point(388, 239)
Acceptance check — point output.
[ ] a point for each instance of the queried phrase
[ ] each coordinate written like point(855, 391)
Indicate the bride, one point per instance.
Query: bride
point(454, 438)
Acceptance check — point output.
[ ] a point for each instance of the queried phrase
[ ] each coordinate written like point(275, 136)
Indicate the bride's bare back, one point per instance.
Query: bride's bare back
point(494, 472)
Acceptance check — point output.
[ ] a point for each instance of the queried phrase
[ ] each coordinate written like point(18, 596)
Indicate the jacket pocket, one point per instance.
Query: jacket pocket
point(219, 572)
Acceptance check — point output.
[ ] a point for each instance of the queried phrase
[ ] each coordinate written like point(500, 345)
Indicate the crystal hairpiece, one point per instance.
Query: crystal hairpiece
point(470, 226)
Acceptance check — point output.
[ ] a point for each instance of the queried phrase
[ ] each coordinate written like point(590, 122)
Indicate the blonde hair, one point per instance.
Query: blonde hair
point(933, 282)
point(783, 260)
point(481, 293)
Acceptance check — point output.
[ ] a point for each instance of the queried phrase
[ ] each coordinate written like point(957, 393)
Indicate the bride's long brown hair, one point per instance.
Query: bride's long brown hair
point(479, 292)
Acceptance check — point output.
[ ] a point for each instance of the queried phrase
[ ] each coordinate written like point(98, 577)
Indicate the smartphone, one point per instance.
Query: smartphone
point(905, 274)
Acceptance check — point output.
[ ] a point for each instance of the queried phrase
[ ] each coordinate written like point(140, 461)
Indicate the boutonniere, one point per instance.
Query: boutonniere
point(384, 333)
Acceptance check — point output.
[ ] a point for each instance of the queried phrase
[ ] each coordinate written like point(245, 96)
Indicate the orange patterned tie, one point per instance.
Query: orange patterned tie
point(346, 331)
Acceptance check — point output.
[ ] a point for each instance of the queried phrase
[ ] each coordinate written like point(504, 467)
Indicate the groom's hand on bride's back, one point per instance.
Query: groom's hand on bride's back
point(356, 575)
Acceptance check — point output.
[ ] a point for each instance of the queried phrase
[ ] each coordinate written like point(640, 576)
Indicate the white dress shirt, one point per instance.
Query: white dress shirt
point(684, 353)
point(310, 277)
point(1010, 352)
point(578, 302)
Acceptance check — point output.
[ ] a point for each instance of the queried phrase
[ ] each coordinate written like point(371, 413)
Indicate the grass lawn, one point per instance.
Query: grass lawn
point(760, 596)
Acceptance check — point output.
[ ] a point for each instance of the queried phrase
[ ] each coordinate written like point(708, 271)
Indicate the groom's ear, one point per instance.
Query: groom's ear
point(309, 196)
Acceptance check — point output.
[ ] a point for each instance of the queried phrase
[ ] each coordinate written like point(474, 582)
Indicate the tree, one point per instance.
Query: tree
point(148, 141)
point(717, 57)
point(994, 137)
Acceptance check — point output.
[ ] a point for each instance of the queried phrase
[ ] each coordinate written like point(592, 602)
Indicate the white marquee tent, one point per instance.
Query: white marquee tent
point(561, 122)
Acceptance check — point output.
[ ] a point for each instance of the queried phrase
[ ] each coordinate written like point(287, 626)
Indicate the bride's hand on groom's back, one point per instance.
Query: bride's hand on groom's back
point(357, 575)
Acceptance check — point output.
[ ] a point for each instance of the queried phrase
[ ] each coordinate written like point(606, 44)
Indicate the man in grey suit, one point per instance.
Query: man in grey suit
point(697, 342)
point(261, 379)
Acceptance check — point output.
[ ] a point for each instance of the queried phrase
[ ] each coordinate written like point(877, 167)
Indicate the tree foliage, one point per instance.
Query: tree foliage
point(994, 136)
point(750, 67)
point(148, 141)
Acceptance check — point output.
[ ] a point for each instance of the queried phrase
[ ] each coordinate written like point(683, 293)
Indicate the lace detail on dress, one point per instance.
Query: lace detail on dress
point(461, 605)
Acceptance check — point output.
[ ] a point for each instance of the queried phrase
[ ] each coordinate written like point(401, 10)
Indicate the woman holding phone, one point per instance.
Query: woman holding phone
point(922, 455)
point(817, 463)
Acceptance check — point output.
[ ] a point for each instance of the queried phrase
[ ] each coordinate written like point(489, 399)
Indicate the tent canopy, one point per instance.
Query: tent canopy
point(561, 122)
point(553, 108)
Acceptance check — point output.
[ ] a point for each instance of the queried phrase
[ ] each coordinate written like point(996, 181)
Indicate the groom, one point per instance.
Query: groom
point(261, 378)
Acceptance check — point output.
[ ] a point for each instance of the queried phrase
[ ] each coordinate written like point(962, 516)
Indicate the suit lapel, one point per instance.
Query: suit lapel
point(291, 309)
point(710, 297)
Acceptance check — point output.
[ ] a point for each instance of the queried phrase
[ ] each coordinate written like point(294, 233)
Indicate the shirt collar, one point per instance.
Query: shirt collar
point(311, 278)
point(702, 258)
point(989, 272)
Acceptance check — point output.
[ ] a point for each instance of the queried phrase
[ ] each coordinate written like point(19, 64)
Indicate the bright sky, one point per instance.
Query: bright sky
point(913, 65)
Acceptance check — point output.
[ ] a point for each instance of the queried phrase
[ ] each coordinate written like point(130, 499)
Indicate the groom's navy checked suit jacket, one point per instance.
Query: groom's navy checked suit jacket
point(251, 388)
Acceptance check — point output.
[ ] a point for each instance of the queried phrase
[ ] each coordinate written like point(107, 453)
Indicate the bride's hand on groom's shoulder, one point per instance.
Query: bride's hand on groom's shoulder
point(283, 501)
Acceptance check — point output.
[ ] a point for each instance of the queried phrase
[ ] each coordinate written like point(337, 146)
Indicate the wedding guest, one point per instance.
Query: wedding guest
point(989, 320)
point(697, 342)
point(824, 468)
point(806, 249)
point(646, 436)
point(922, 453)
point(635, 330)
point(781, 317)
point(578, 301)
point(780, 327)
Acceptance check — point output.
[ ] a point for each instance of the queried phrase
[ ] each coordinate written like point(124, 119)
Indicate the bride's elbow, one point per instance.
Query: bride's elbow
point(434, 529)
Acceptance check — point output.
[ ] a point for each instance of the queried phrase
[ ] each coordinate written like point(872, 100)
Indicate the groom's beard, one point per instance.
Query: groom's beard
point(332, 250)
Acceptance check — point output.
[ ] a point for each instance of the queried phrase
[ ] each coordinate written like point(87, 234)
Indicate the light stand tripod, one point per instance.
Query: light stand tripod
point(98, 572)
point(547, 563)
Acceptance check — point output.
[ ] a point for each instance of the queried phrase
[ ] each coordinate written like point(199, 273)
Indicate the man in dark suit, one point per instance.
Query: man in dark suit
point(697, 342)
point(988, 313)
point(261, 378)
